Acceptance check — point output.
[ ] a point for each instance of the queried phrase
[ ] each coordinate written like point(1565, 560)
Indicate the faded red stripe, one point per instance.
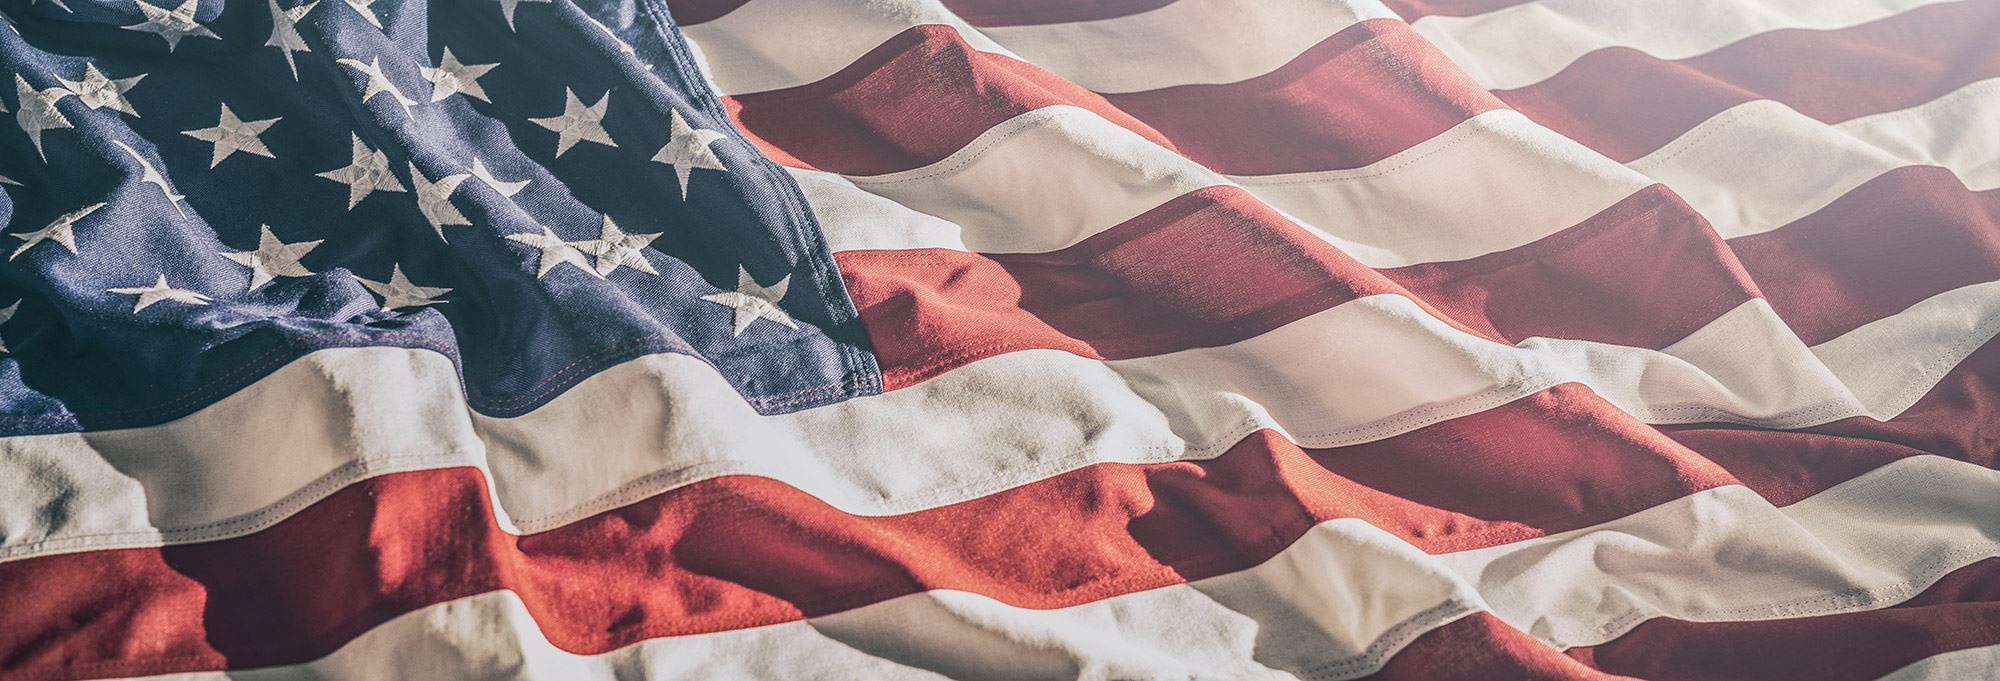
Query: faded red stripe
point(1216, 266)
point(1412, 10)
point(1645, 272)
point(1480, 647)
point(1896, 240)
point(1626, 104)
point(1365, 93)
point(1362, 95)
point(910, 102)
point(1210, 267)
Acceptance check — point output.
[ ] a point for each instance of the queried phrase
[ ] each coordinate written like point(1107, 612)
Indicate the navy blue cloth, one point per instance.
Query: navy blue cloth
point(79, 357)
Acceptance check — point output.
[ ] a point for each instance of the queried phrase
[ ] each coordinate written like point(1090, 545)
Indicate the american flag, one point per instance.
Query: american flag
point(1000, 339)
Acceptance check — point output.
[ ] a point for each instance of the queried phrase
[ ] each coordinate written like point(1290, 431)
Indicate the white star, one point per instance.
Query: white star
point(554, 251)
point(614, 248)
point(8, 180)
point(451, 77)
point(753, 302)
point(285, 32)
point(172, 25)
point(505, 188)
point(62, 231)
point(38, 111)
point(367, 172)
point(58, 3)
point(154, 177)
point(378, 82)
point(367, 13)
point(687, 149)
point(7, 315)
point(399, 292)
point(578, 122)
point(273, 258)
point(232, 134)
point(98, 92)
point(434, 199)
point(160, 291)
point(507, 8)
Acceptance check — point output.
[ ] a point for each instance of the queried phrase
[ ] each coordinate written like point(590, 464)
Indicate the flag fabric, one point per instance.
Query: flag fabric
point(1000, 339)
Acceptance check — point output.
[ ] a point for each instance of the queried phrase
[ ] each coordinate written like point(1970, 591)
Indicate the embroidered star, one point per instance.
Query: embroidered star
point(753, 302)
point(687, 149)
point(614, 248)
point(62, 231)
point(398, 292)
point(507, 8)
point(578, 122)
point(367, 13)
point(57, 3)
point(367, 172)
point(38, 111)
point(232, 134)
point(554, 251)
point(378, 82)
point(160, 291)
point(505, 188)
point(7, 315)
point(172, 25)
point(285, 32)
point(451, 77)
point(97, 91)
point(273, 258)
point(434, 199)
point(8, 180)
point(153, 177)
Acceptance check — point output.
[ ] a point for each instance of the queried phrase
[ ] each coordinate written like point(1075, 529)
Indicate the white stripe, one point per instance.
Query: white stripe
point(775, 44)
point(1186, 42)
point(1491, 48)
point(979, 429)
point(1957, 665)
point(1762, 165)
point(1336, 604)
point(1052, 177)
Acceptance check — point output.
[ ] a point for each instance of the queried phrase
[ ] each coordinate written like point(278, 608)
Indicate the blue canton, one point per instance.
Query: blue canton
point(198, 193)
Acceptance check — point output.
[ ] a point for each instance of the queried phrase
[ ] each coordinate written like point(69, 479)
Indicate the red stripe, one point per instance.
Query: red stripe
point(1626, 104)
point(1480, 647)
point(1645, 272)
point(1960, 611)
point(1367, 92)
point(1412, 10)
point(1030, 12)
point(1135, 290)
point(910, 102)
point(1139, 290)
point(743, 551)
point(1362, 95)
point(1910, 234)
